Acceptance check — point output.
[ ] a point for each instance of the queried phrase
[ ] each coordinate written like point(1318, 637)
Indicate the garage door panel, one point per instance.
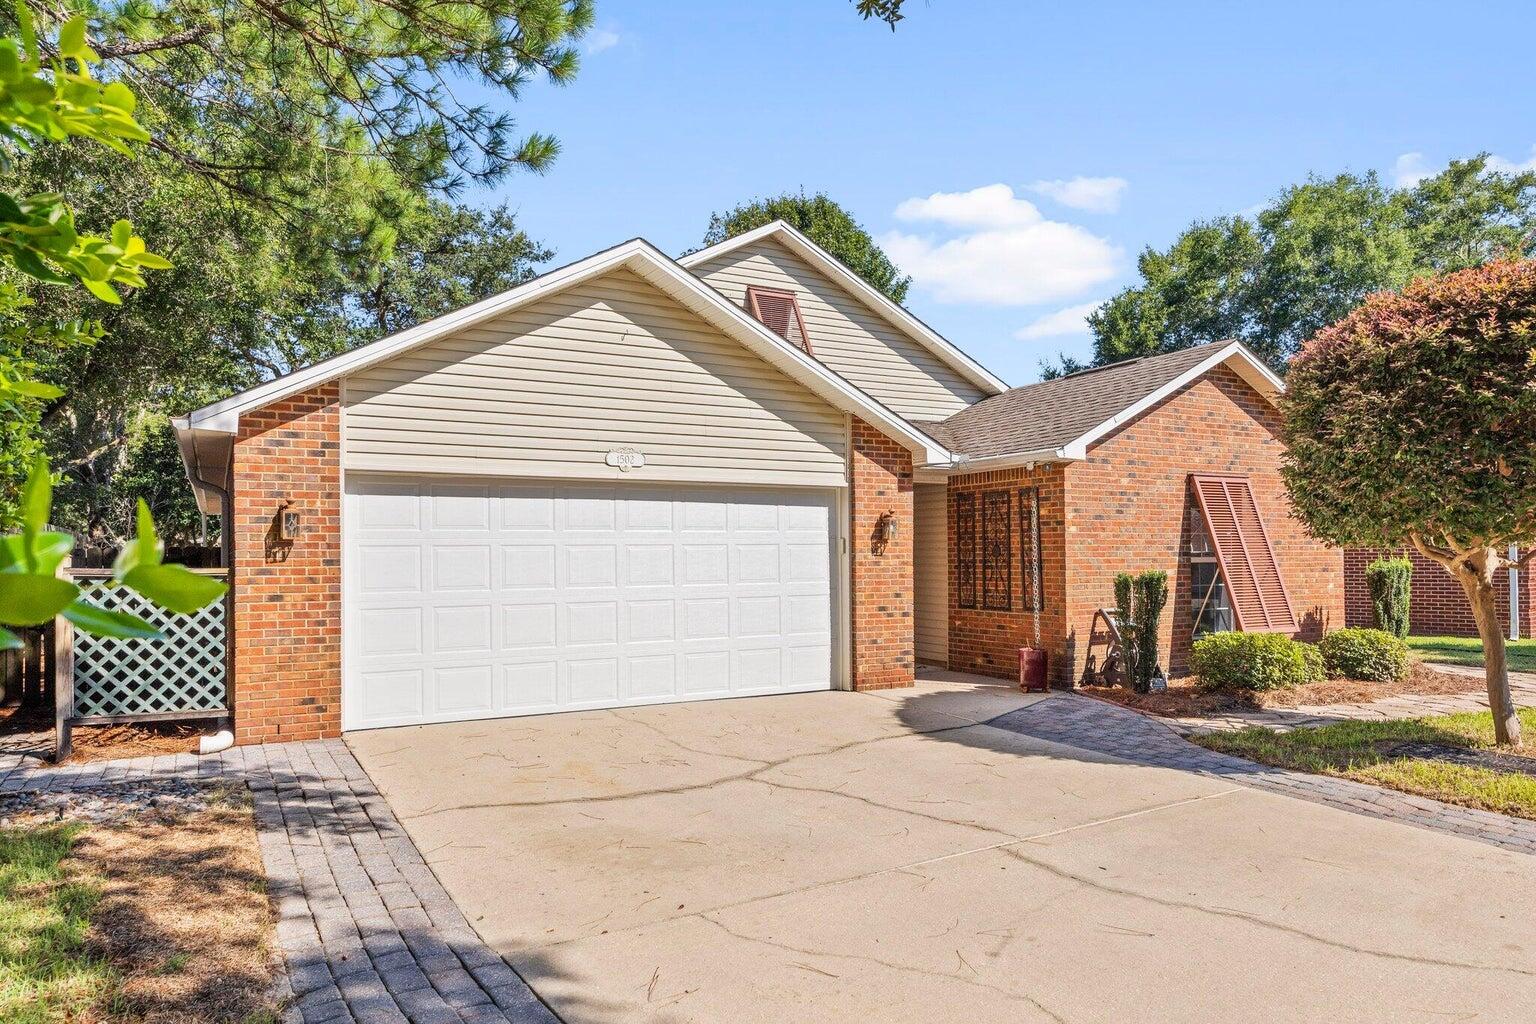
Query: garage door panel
point(508, 598)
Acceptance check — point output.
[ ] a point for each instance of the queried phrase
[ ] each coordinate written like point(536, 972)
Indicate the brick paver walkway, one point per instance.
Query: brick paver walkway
point(1522, 686)
point(1106, 728)
point(369, 934)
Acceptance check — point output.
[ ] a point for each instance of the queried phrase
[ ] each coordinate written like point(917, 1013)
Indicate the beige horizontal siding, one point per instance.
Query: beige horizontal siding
point(846, 334)
point(930, 568)
point(550, 389)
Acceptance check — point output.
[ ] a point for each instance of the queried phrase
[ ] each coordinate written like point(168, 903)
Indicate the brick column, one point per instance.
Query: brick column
point(881, 574)
point(287, 596)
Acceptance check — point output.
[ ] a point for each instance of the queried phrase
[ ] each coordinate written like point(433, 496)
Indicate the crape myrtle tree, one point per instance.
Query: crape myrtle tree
point(1413, 421)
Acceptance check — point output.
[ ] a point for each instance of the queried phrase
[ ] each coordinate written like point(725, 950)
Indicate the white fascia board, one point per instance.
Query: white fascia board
point(636, 255)
point(1012, 460)
point(224, 416)
point(861, 289)
point(1247, 365)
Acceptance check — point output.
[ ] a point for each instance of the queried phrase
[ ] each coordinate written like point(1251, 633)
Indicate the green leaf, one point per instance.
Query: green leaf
point(35, 389)
point(28, 33)
point(106, 622)
point(9, 641)
point(72, 36)
point(27, 599)
point(47, 550)
point(174, 587)
point(102, 291)
point(37, 496)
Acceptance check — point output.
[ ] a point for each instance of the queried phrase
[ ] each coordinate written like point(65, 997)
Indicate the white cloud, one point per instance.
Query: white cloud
point(991, 206)
point(1072, 320)
point(1007, 253)
point(1498, 163)
point(602, 39)
point(1096, 195)
point(1409, 169)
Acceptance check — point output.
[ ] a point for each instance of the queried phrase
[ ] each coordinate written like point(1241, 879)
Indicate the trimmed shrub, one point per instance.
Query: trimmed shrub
point(1251, 661)
point(1316, 669)
point(1372, 655)
point(1151, 596)
point(1390, 581)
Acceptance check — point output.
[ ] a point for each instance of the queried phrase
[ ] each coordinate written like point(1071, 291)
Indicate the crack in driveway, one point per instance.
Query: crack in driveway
point(1254, 919)
point(900, 968)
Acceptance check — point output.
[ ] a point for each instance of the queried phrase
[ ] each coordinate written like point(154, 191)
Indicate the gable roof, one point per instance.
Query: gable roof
point(878, 302)
point(1058, 419)
point(205, 433)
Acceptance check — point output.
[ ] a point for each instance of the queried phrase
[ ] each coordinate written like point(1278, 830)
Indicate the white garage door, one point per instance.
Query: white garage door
point(476, 600)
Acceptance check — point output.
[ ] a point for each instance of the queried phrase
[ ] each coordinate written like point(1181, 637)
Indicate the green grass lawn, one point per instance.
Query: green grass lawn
point(1463, 650)
point(46, 973)
point(1354, 750)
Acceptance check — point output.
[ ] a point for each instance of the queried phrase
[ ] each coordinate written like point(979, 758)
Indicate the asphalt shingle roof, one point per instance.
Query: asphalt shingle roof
point(1054, 413)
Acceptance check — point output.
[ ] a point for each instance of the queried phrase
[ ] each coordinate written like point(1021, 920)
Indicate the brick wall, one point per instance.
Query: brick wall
point(881, 575)
point(1126, 506)
point(1438, 606)
point(986, 641)
point(287, 597)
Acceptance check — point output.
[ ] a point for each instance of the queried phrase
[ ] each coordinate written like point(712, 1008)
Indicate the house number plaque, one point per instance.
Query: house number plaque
point(625, 459)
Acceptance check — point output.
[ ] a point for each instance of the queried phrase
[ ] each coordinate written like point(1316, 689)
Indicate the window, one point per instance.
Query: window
point(1210, 610)
point(780, 313)
point(1234, 531)
point(1031, 551)
point(997, 551)
point(965, 550)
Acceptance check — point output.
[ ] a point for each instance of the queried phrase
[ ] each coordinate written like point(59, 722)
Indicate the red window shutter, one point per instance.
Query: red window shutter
point(780, 313)
point(1244, 554)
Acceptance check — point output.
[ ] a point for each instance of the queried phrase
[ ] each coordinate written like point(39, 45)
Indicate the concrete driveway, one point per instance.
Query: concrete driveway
point(885, 857)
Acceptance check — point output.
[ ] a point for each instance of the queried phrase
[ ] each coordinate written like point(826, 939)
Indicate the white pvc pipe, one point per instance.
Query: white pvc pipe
point(221, 740)
point(1514, 592)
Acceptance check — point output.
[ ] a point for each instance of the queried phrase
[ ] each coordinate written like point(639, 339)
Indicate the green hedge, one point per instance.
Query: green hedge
point(1254, 661)
point(1372, 655)
point(1390, 581)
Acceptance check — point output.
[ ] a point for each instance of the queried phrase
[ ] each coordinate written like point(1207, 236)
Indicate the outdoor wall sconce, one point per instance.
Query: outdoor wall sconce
point(886, 530)
point(290, 525)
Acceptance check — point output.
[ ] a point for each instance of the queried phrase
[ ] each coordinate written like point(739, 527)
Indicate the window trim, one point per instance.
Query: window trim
point(755, 293)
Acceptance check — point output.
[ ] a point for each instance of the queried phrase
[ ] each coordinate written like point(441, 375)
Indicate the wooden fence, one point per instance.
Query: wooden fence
point(26, 676)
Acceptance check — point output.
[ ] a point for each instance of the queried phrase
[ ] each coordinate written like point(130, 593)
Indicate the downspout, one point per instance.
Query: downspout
point(1514, 592)
point(226, 555)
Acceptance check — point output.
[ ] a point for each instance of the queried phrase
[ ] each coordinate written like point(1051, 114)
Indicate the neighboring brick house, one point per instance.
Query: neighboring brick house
point(637, 480)
point(1438, 605)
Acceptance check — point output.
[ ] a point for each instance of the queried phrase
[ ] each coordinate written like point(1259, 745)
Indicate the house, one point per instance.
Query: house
point(1437, 604)
point(637, 479)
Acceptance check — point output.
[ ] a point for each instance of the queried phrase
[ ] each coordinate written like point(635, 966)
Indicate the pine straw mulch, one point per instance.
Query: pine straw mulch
point(1185, 698)
point(30, 730)
point(183, 917)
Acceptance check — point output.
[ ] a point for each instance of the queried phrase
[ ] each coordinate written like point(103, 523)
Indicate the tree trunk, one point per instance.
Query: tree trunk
point(1476, 578)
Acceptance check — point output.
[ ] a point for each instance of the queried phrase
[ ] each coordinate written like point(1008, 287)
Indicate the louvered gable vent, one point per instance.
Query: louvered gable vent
point(1244, 554)
point(780, 313)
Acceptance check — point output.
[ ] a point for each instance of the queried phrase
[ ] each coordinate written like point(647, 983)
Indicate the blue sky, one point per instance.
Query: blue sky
point(1013, 156)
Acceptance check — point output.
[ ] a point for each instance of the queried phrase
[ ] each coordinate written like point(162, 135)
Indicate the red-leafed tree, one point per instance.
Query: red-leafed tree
point(1413, 421)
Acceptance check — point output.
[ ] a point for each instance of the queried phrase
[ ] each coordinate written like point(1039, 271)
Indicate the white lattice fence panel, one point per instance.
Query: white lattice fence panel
point(183, 672)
